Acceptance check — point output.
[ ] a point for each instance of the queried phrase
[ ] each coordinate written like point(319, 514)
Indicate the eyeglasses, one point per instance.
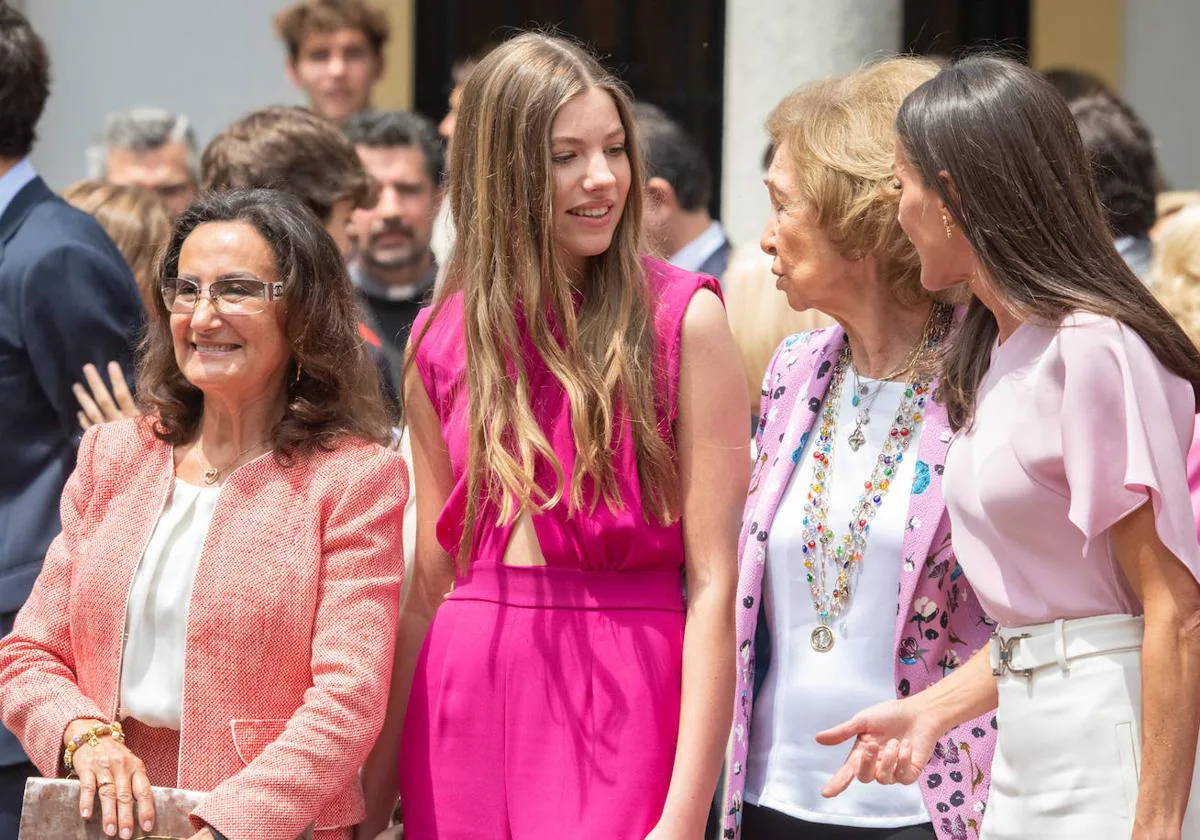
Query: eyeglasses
point(231, 296)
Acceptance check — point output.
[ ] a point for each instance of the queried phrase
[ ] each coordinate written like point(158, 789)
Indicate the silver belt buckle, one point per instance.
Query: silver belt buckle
point(1005, 648)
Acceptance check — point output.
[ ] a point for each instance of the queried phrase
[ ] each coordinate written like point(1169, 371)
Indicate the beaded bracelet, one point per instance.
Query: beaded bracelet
point(92, 737)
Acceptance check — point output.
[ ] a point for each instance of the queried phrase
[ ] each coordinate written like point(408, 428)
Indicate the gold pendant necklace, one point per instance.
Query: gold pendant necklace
point(822, 638)
point(213, 473)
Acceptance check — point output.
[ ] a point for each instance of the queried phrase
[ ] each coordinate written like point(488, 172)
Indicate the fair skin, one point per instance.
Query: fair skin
point(163, 171)
point(98, 404)
point(894, 740)
point(592, 173)
point(239, 363)
point(394, 234)
point(882, 331)
point(668, 226)
point(591, 176)
point(336, 70)
point(450, 121)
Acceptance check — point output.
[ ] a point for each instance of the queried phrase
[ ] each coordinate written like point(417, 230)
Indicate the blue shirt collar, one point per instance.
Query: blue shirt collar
point(694, 254)
point(13, 181)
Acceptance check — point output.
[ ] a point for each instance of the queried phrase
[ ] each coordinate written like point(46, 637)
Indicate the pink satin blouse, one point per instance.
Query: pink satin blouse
point(1076, 426)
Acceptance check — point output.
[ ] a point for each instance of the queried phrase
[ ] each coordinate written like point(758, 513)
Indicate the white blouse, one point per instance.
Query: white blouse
point(152, 665)
point(806, 691)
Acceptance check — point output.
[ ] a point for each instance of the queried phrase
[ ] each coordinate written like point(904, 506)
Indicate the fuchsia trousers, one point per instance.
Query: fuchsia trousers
point(545, 705)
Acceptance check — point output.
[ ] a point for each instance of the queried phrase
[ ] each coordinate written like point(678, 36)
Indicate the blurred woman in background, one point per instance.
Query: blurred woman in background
point(137, 222)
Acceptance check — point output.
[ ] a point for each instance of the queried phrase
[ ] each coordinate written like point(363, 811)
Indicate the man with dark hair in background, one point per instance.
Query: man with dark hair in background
point(335, 53)
point(67, 299)
point(1074, 83)
point(678, 189)
point(290, 149)
point(394, 269)
point(1124, 163)
point(1125, 167)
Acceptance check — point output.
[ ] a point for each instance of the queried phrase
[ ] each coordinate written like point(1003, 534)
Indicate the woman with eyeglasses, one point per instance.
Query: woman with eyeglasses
point(219, 611)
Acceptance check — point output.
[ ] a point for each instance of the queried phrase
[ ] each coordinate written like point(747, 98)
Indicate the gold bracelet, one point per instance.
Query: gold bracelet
point(91, 737)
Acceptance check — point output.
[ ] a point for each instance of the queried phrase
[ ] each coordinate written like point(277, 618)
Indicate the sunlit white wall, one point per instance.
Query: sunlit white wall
point(213, 60)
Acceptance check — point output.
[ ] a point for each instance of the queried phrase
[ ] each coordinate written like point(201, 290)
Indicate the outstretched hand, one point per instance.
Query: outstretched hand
point(97, 405)
point(892, 746)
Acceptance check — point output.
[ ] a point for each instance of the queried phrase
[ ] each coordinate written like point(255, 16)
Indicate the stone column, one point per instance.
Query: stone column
point(771, 48)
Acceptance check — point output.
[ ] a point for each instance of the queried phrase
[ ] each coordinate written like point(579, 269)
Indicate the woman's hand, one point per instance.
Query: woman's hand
point(99, 406)
point(112, 772)
point(893, 743)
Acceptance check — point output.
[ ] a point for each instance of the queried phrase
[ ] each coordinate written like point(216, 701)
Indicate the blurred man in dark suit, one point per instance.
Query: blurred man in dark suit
point(66, 298)
point(678, 189)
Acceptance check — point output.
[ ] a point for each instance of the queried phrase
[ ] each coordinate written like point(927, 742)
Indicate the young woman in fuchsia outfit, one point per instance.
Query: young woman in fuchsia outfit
point(1073, 393)
point(577, 455)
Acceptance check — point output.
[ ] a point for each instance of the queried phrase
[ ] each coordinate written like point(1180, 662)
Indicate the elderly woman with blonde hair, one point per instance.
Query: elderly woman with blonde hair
point(849, 591)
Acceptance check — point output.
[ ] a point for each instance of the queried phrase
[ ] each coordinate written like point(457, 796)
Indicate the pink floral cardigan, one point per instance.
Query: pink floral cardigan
point(939, 622)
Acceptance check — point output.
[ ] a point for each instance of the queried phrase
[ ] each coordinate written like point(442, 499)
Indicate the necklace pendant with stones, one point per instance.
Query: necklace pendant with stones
point(857, 438)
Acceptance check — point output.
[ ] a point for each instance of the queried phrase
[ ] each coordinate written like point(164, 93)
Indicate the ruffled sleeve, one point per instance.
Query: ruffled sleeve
point(1126, 428)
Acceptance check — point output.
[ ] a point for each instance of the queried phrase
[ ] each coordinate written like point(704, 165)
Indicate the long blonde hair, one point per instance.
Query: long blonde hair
point(507, 265)
point(1175, 274)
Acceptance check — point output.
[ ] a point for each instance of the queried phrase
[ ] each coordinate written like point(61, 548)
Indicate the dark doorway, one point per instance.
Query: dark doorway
point(669, 52)
point(949, 27)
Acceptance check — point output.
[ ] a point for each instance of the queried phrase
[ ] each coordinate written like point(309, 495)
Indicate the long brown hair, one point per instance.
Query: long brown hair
point(507, 266)
point(333, 389)
point(1021, 191)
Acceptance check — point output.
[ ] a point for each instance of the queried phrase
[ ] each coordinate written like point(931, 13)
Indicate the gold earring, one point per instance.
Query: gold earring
point(949, 225)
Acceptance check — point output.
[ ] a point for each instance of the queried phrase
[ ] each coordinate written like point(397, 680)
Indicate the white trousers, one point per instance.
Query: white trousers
point(1070, 733)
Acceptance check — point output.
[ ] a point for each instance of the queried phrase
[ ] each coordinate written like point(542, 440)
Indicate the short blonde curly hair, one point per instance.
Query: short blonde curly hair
point(1175, 272)
point(840, 138)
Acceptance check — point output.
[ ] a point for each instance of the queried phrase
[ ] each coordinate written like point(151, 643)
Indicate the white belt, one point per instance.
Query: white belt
point(1020, 651)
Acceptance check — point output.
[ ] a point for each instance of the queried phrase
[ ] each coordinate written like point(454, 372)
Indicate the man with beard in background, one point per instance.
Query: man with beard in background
point(394, 269)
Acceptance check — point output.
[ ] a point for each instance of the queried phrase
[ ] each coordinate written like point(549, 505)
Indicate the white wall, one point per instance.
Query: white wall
point(1162, 81)
point(771, 48)
point(213, 60)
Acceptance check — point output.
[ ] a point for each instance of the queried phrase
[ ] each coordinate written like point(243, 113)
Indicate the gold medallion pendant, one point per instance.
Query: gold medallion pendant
point(822, 639)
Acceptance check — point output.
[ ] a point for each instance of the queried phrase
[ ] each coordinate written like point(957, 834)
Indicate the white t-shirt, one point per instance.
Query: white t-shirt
point(152, 667)
point(805, 691)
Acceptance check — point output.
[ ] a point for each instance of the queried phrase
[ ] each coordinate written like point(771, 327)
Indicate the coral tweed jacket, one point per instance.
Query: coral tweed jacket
point(290, 629)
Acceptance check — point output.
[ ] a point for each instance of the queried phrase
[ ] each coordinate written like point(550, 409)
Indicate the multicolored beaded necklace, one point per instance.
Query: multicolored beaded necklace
point(821, 549)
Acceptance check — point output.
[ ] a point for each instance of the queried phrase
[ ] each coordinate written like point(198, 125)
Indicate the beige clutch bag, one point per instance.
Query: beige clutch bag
point(50, 811)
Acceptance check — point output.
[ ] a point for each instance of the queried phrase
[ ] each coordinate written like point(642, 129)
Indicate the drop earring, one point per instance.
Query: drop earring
point(949, 225)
